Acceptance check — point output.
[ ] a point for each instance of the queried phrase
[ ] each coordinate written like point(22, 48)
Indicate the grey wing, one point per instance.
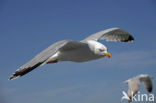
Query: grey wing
point(112, 34)
point(148, 84)
point(44, 55)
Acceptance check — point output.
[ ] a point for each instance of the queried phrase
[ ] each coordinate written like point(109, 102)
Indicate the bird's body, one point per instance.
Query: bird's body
point(78, 53)
point(69, 50)
point(134, 84)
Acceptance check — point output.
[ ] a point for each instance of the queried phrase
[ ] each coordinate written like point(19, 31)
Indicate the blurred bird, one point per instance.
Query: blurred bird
point(134, 83)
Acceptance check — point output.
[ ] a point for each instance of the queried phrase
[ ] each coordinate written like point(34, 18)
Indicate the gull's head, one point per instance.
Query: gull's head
point(99, 48)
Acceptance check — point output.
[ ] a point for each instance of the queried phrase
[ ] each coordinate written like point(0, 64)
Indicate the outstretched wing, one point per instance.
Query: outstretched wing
point(112, 34)
point(148, 84)
point(44, 55)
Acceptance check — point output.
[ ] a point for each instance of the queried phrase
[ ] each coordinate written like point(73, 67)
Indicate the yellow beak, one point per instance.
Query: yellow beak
point(108, 54)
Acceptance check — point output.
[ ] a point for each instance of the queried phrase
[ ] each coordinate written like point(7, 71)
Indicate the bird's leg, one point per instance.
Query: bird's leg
point(52, 61)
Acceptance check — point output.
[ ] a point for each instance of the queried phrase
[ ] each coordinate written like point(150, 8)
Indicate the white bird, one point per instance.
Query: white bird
point(69, 50)
point(134, 84)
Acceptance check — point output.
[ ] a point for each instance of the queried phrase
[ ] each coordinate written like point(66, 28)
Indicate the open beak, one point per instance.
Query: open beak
point(108, 54)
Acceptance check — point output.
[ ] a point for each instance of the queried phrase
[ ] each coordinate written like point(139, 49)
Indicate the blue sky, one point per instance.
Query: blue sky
point(29, 26)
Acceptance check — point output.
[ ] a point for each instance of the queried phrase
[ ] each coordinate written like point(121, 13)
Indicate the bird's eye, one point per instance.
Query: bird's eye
point(101, 50)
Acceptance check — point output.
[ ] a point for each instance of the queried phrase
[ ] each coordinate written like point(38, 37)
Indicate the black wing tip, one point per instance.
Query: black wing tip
point(150, 90)
point(129, 39)
point(22, 71)
point(13, 77)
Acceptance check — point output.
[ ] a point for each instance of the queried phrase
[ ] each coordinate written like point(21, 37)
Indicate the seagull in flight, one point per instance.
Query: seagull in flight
point(134, 83)
point(69, 50)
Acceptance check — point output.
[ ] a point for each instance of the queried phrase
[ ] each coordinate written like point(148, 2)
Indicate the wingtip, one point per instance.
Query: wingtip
point(13, 77)
point(131, 38)
point(150, 90)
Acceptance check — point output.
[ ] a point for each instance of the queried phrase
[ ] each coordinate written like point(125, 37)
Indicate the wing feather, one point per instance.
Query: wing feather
point(112, 34)
point(44, 55)
point(148, 84)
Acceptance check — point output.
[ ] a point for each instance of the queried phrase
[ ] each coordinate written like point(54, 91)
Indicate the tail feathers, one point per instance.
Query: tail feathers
point(22, 71)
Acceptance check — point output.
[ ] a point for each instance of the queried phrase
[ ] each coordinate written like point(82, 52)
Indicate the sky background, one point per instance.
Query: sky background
point(29, 26)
